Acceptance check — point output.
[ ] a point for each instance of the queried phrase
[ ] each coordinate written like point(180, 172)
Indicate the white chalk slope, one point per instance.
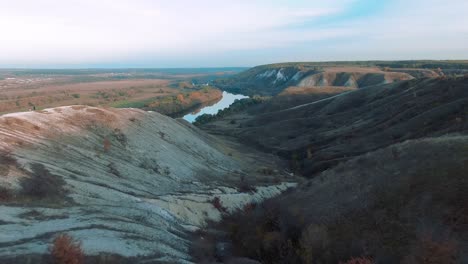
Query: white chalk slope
point(137, 181)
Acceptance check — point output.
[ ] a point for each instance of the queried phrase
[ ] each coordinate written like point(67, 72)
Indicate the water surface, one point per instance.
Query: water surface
point(225, 102)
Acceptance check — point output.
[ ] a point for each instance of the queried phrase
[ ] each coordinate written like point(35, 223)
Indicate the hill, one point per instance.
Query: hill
point(400, 204)
point(320, 134)
point(273, 78)
point(129, 184)
point(386, 167)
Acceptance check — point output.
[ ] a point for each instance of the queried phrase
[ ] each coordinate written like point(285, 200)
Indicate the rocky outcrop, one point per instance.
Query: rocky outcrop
point(352, 79)
point(273, 79)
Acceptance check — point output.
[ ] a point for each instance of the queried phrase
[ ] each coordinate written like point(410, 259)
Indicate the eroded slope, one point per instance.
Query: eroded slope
point(122, 181)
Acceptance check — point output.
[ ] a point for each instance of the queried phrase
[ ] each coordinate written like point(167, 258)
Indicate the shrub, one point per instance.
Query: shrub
point(106, 144)
point(65, 250)
point(42, 184)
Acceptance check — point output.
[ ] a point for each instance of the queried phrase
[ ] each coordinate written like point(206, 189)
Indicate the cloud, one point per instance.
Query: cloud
point(85, 32)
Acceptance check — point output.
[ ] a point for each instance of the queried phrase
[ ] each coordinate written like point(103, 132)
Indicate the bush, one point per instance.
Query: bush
point(65, 250)
point(42, 184)
point(106, 144)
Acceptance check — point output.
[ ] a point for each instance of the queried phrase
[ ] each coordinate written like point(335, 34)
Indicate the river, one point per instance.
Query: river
point(225, 102)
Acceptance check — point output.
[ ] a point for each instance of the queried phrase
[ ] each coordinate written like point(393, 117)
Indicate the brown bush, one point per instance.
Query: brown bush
point(106, 144)
point(65, 250)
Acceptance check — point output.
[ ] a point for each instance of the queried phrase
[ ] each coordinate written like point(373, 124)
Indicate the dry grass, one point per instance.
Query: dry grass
point(52, 94)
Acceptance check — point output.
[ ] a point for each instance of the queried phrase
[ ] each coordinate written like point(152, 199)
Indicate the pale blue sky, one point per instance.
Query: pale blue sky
point(211, 33)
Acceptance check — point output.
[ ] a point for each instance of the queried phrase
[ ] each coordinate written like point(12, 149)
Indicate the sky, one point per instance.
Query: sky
point(216, 33)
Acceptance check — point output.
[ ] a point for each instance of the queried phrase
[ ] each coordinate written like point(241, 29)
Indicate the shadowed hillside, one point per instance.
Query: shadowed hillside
point(387, 167)
point(401, 204)
point(315, 136)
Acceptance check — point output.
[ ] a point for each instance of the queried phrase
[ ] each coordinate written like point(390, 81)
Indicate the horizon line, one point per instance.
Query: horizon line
point(226, 67)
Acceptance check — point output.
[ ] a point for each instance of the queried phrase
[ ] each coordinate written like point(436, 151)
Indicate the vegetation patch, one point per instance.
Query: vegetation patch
point(42, 184)
point(66, 250)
